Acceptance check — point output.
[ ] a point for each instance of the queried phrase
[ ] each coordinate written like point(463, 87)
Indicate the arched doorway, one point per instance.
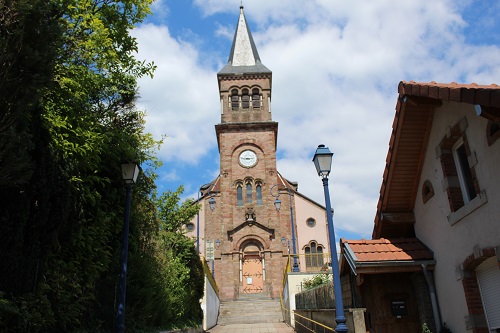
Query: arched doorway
point(252, 267)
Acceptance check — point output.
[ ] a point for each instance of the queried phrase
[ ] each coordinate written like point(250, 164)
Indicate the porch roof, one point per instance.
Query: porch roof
point(385, 255)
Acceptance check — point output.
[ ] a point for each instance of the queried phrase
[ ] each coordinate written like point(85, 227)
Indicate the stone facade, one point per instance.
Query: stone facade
point(239, 229)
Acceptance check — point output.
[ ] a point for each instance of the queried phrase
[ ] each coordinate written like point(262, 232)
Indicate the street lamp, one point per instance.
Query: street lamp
point(212, 204)
point(323, 162)
point(130, 172)
point(277, 205)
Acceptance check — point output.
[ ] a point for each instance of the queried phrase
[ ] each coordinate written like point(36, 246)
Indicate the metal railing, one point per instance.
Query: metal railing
point(311, 325)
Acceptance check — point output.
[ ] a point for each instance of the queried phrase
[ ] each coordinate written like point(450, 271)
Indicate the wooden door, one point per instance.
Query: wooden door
point(252, 275)
point(391, 303)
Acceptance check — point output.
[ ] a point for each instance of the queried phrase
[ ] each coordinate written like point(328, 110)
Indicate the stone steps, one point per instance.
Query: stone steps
point(250, 309)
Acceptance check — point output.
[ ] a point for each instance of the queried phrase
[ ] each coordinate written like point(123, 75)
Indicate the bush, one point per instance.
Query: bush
point(316, 280)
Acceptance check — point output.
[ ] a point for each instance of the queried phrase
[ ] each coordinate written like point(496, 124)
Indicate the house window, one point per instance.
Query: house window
point(458, 162)
point(245, 99)
point(258, 191)
point(311, 222)
point(255, 98)
point(314, 255)
point(239, 195)
point(235, 101)
point(190, 227)
point(249, 193)
point(463, 171)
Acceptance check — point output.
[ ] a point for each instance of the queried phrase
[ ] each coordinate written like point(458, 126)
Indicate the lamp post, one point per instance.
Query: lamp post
point(212, 204)
point(129, 172)
point(323, 162)
point(277, 205)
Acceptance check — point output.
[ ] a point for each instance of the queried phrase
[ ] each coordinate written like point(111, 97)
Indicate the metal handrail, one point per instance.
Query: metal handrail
point(312, 321)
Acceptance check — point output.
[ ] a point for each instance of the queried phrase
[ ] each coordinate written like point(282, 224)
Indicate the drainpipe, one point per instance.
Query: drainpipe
point(432, 291)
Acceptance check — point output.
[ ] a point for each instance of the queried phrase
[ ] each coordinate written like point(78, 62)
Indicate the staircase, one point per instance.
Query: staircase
point(250, 309)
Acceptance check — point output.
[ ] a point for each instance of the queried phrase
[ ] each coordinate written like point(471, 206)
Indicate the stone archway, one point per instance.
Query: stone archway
point(252, 268)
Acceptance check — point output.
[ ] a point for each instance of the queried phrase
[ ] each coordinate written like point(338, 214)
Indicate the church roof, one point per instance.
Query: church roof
point(244, 58)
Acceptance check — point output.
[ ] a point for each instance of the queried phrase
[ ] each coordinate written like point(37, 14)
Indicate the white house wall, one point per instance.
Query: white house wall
point(452, 244)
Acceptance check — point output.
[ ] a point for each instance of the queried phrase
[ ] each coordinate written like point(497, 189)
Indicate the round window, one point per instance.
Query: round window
point(190, 227)
point(311, 222)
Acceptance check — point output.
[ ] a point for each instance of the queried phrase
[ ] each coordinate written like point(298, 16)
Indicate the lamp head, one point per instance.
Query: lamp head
point(212, 203)
point(277, 204)
point(323, 161)
point(130, 171)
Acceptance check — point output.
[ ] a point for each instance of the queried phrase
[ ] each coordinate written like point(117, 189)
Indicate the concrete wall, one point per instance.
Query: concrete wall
point(293, 286)
point(355, 321)
point(318, 305)
point(210, 302)
point(454, 243)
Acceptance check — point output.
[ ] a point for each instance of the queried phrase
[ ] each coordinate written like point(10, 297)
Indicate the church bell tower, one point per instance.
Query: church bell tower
point(245, 225)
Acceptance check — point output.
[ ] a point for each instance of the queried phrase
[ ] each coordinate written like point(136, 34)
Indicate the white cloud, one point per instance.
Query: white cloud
point(336, 66)
point(181, 100)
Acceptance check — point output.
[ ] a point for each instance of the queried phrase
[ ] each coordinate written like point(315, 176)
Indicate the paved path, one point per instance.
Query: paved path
point(253, 328)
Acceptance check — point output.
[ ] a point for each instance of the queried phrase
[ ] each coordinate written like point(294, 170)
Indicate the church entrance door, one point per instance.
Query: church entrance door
point(253, 281)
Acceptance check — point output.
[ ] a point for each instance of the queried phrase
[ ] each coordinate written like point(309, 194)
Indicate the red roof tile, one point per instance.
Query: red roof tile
point(402, 249)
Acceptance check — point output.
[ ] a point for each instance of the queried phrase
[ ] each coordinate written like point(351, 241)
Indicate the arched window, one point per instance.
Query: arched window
point(427, 191)
point(235, 102)
point(308, 256)
point(245, 99)
point(249, 193)
point(255, 98)
point(314, 255)
point(239, 195)
point(258, 191)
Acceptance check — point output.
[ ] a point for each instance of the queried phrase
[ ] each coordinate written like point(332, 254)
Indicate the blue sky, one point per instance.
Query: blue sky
point(336, 67)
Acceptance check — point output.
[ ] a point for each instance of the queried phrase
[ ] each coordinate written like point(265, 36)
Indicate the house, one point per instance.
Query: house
point(440, 195)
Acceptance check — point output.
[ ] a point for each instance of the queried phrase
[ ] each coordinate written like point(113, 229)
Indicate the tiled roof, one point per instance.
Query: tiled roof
point(485, 95)
point(382, 249)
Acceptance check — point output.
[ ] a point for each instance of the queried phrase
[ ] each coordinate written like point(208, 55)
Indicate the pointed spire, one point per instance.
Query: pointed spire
point(244, 57)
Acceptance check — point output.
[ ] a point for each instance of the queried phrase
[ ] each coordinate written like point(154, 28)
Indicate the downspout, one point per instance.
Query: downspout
point(432, 291)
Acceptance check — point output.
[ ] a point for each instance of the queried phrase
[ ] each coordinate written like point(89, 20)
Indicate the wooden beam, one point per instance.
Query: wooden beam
point(398, 217)
point(489, 113)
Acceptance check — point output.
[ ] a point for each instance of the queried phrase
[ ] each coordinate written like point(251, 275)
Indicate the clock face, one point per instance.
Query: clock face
point(248, 158)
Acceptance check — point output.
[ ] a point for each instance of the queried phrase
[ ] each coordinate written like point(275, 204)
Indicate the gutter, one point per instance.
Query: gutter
point(432, 291)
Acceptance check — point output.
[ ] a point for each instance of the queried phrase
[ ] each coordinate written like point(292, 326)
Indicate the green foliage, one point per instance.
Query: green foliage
point(316, 280)
point(69, 82)
point(425, 328)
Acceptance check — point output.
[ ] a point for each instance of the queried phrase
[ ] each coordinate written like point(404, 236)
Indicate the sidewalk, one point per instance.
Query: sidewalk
point(253, 328)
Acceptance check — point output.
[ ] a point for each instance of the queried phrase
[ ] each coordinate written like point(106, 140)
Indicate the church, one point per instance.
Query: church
point(253, 223)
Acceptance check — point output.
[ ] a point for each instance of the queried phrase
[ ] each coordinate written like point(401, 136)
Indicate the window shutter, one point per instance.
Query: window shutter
point(488, 277)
